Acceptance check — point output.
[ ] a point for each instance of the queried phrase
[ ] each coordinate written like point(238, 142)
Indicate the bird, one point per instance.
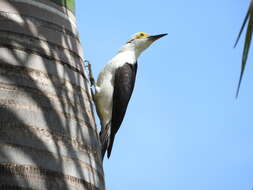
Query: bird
point(114, 87)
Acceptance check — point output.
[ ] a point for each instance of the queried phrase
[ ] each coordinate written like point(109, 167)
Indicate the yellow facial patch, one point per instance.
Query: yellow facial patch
point(140, 35)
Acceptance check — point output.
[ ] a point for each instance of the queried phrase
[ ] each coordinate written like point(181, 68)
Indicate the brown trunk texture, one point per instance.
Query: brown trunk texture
point(48, 135)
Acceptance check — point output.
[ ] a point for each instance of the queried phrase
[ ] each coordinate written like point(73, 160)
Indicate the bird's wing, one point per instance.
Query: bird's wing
point(123, 87)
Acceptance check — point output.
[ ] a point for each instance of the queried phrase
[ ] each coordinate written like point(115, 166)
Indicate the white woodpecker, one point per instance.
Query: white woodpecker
point(115, 85)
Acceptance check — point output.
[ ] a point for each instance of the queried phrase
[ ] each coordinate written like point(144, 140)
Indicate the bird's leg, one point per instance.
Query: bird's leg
point(91, 79)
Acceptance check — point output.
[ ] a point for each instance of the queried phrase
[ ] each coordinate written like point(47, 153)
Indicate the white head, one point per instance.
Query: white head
point(140, 41)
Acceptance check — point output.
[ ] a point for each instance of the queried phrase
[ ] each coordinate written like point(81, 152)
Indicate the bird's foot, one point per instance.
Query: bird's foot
point(91, 78)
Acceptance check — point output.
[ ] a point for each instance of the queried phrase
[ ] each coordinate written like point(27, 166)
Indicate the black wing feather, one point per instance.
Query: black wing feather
point(123, 87)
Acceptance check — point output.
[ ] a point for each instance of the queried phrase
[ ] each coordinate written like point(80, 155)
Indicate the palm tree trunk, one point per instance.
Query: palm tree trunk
point(48, 135)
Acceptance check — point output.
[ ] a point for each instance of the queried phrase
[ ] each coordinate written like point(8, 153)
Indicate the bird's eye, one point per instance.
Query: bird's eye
point(141, 34)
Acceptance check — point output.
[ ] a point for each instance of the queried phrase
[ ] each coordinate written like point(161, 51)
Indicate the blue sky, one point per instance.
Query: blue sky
point(183, 129)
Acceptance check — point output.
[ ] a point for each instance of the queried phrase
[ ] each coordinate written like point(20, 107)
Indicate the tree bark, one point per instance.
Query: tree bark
point(48, 135)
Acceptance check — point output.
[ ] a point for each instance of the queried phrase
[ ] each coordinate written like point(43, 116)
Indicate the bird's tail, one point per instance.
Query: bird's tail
point(105, 138)
point(109, 149)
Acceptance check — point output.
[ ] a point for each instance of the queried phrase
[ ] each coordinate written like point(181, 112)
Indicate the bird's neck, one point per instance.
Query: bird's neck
point(129, 53)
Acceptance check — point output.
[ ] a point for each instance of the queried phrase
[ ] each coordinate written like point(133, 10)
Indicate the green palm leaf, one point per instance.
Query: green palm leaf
point(248, 18)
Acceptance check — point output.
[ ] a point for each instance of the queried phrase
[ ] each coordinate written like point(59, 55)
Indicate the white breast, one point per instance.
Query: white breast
point(105, 84)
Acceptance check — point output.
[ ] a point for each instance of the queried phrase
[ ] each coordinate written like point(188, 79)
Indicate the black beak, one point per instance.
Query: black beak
point(156, 37)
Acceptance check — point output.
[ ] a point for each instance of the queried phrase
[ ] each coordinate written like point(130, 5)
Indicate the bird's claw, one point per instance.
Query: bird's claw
point(91, 78)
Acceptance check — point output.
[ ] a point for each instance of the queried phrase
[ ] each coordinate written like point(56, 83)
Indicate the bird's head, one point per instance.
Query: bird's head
point(141, 41)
